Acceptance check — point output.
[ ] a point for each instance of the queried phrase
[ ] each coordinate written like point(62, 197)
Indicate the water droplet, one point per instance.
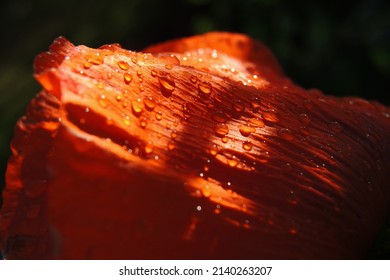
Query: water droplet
point(205, 88)
point(292, 198)
point(127, 78)
point(336, 127)
point(118, 97)
point(217, 209)
point(149, 103)
point(148, 148)
point(167, 85)
point(247, 145)
point(221, 129)
point(87, 65)
point(286, 134)
point(270, 115)
point(102, 101)
point(206, 191)
point(96, 59)
point(308, 104)
point(123, 65)
point(232, 162)
point(109, 121)
point(263, 157)
point(193, 79)
point(219, 117)
point(213, 150)
point(238, 106)
point(169, 59)
point(109, 76)
point(246, 130)
point(246, 224)
point(158, 116)
point(125, 104)
point(134, 60)
point(199, 208)
point(153, 73)
point(304, 118)
point(256, 122)
point(137, 107)
point(126, 120)
point(168, 66)
point(224, 139)
point(34, 211)
point(143, 122)
point(171, 145)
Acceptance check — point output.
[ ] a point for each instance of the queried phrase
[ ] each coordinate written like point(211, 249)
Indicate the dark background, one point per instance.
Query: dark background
point(340, 47)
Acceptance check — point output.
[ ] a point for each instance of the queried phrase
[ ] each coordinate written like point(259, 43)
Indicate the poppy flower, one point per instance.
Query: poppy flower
point(196, 148)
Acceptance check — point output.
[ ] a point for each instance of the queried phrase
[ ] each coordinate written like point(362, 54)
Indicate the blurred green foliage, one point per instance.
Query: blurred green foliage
point(342, 48)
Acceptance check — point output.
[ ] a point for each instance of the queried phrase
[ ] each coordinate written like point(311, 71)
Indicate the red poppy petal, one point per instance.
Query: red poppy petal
point(174, 155)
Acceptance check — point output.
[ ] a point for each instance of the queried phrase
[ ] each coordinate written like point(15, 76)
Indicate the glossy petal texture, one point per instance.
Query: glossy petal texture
point(198, 148)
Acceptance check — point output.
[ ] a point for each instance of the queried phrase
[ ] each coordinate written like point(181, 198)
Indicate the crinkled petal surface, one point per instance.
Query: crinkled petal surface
point(197, 148)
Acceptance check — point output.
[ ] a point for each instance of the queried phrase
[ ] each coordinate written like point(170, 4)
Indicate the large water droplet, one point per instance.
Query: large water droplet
point(87, 65)
point(169, 59)
point(205, 88)
point(232, 162)
point(149, 103)
point(96, 59)
point(158, 116)
point(221, 129)
point(256, 122)
point(246, 130)
point(153, 73)
point(127, 78)
point(167, 85)
point(247, 145)
point(123, 65)
point(137, 108)
point(143, 122)
point(193, 79)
